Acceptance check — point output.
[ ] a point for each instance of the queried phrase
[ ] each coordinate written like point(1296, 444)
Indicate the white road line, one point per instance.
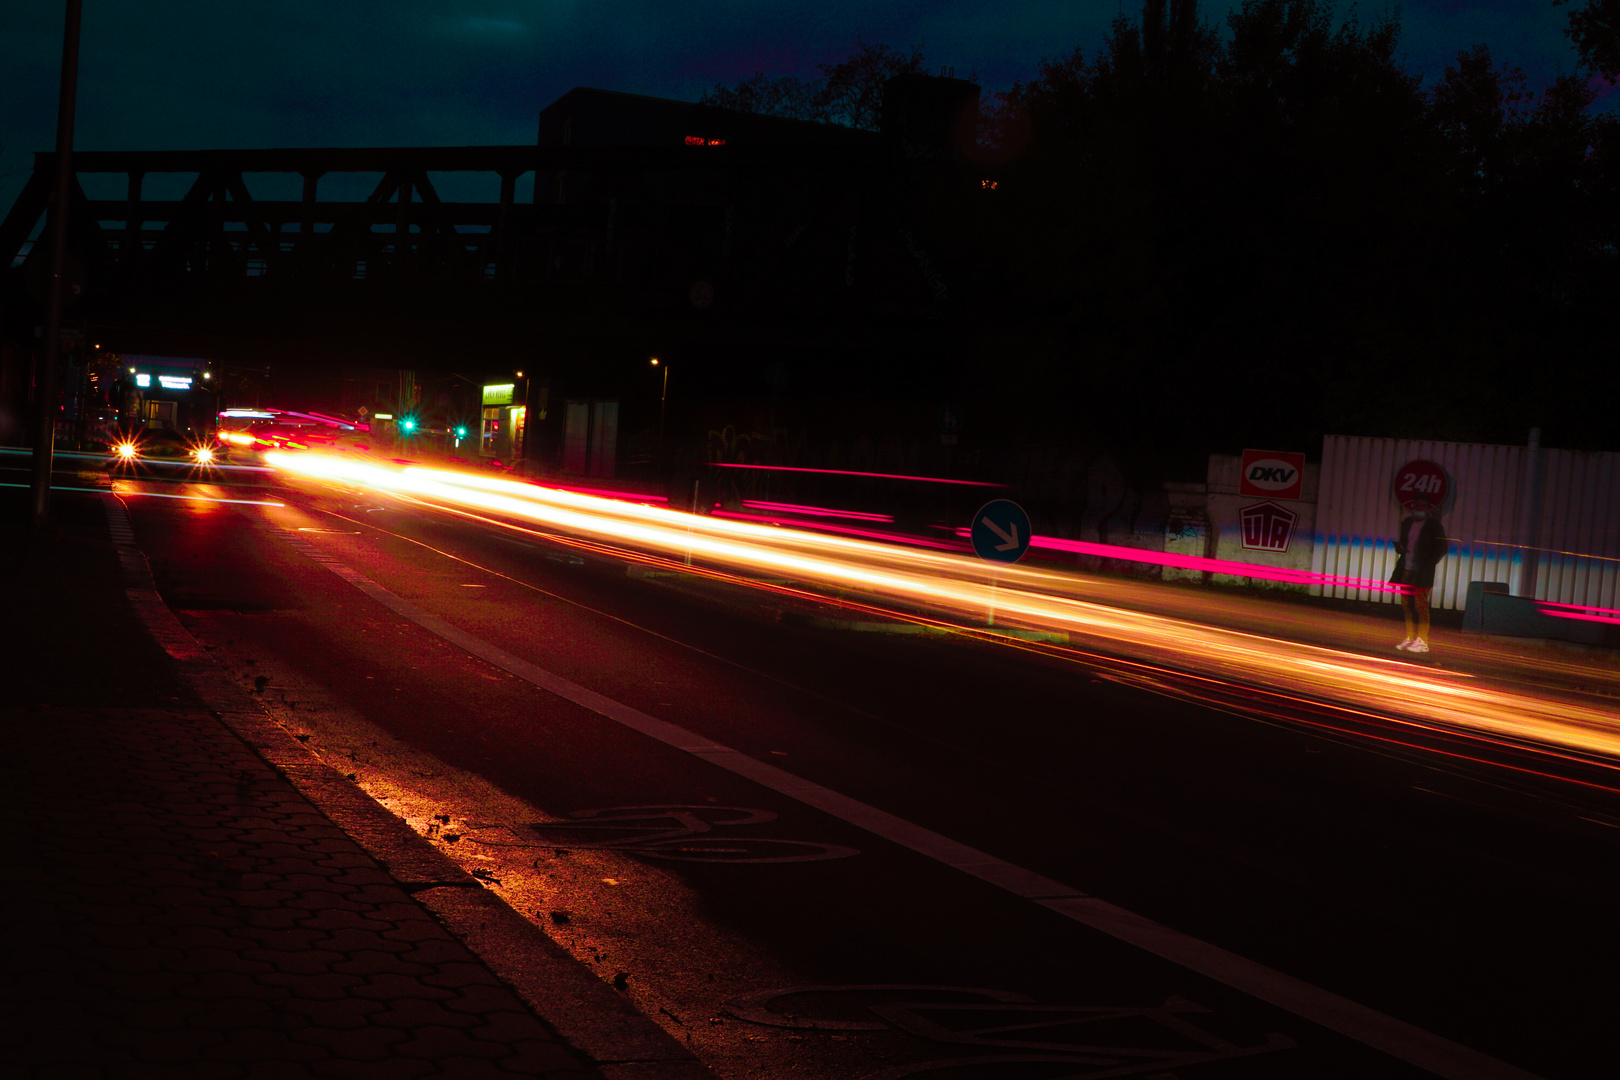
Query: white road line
point(1396, 1038)
point(155, 495)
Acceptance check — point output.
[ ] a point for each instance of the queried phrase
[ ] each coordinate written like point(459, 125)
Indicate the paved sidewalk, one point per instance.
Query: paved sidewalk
point(176, 906)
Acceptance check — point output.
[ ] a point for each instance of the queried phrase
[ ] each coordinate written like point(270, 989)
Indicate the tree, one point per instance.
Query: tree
point(1595, 30)
point(1201, 241)
point(1477, 108)
point(849, 92)
point(784, 96)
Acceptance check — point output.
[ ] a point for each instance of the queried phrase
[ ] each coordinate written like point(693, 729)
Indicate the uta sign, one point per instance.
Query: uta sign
point(1267, 527)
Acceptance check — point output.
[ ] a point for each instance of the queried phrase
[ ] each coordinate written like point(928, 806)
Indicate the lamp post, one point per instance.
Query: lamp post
point(45, 383)
point(662, 397)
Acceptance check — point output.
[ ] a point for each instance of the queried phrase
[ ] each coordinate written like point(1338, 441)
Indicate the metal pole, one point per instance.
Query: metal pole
point(663, 395)
point(1527, 556)
point(45, 382)
point(695, 482)
point(661, 399)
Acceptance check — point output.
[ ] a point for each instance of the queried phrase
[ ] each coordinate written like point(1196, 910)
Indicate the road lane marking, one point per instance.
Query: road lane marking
point(153, 494)
point(1403, 1041)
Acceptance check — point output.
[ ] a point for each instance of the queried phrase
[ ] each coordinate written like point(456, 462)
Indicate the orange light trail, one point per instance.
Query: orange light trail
point(938, 584)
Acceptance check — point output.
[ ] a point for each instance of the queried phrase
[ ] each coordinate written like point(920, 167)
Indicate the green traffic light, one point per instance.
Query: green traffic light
point(408, 424)
point(461, 433)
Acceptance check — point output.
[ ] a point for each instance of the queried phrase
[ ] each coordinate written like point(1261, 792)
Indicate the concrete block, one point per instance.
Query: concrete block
point(1491, 610)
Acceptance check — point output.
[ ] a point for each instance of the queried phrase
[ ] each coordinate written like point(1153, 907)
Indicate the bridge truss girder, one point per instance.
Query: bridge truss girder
point(791, 242)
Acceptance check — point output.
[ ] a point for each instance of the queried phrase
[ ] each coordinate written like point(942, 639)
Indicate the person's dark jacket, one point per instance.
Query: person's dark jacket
point(1416, 568)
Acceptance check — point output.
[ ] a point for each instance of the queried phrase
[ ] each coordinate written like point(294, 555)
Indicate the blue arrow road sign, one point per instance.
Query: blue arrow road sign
point(1001, 531)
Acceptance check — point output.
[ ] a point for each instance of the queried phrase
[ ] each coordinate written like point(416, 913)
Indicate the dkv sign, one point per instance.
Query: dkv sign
point(1271, 474)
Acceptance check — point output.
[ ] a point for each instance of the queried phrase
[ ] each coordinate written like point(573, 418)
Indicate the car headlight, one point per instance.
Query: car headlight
point(205, 454)
point(126, 450)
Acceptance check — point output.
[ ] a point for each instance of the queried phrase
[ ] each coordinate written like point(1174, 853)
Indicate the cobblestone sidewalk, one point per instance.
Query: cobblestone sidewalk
point(181, 911)
point(177, 906)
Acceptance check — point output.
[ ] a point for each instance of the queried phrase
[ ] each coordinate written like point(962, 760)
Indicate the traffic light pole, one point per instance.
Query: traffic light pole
point(45, 407)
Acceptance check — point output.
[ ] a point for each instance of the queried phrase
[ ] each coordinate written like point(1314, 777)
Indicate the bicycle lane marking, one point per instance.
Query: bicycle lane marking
point(1405, 1042)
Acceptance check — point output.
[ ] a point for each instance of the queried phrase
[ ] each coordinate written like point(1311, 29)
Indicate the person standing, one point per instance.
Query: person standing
point(1421, 543)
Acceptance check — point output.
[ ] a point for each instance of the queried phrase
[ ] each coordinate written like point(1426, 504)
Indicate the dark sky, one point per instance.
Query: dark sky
point(180, 74)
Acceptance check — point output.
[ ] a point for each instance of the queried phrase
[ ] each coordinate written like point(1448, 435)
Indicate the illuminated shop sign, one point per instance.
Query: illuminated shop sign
point(499, 393)
point(143, 380)
point(175, 382)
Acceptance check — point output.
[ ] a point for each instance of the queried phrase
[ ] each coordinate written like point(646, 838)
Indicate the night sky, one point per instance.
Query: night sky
point(180, 74)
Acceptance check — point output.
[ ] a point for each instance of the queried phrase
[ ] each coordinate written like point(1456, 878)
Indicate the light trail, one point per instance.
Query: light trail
point(814, 511)
point(853, 472)
point(959, 587)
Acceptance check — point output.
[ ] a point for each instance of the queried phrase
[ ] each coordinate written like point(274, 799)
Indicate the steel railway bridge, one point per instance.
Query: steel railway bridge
point(833, 252)
point(755, 244)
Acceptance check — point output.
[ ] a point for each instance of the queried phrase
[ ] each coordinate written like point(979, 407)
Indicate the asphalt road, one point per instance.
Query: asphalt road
point(782, 891)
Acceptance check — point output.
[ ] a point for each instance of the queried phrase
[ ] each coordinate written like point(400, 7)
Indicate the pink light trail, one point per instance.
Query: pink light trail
point(815, 511)
point(1200, 562)
point(851, 472)
point(1583, 612)
point(869, 534)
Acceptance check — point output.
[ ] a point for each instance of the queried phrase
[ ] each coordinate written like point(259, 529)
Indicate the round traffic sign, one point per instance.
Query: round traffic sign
point(1421, 479)
point(1001, 531)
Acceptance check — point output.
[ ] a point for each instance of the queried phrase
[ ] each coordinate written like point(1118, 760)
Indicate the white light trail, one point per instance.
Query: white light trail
point(959, 587)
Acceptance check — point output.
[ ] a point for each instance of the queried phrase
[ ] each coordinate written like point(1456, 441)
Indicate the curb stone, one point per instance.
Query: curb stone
point(593, 1019)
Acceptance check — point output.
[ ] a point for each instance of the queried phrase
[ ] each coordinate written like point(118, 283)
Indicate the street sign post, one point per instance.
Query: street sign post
point(1000, 531)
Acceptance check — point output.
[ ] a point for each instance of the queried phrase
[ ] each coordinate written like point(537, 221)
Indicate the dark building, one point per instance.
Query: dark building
point(786, 272)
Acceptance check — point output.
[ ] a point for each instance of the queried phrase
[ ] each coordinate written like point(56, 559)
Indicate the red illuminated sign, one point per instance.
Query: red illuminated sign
point(1267, 526)
point(1421, 479)
point(698, 140)
point(1271, 474)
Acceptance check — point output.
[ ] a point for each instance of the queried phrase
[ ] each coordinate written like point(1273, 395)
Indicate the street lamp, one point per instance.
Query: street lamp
point(45, 396)
point(662, 397)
